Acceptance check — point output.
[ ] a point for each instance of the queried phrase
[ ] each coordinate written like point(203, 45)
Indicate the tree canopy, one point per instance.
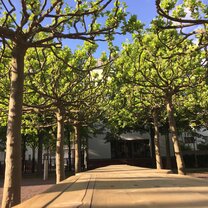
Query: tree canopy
point(157, 76)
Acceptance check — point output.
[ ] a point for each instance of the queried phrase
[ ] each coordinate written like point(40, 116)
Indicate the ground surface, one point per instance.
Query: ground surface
point(201, 174)
point(125, 186)
point(32, 185)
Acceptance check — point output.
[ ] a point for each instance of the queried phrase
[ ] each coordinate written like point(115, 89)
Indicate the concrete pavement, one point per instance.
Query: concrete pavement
point(123, 186)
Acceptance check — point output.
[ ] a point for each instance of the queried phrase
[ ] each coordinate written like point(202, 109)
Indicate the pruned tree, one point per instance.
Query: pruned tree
point(67, 86)
point(88, 112)
point(158, 62)
point(133, 102)
point(185, 14)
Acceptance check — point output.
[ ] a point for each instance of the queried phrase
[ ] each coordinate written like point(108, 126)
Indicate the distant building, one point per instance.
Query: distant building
point(137, 148)
point(134, 148)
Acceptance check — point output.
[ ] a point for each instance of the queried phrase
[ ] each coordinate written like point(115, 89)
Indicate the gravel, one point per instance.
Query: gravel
point(31, 187)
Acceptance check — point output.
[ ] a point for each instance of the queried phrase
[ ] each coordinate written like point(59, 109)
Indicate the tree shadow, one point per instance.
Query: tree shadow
point(135, 187)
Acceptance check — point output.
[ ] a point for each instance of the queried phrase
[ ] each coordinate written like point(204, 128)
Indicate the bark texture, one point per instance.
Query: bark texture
point(152, 145)
point(12, 182)
point(23, 153)
point(86, 155)
point(77, 149)
point(33, 159)
point(173, 130)
point(40, 153)
point(60, 172)
point(167, 147)
point(156, 140)
point(69, 147)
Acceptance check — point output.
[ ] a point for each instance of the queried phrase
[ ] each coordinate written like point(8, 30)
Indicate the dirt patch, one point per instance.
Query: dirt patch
point(30, 187)
point(199, 175)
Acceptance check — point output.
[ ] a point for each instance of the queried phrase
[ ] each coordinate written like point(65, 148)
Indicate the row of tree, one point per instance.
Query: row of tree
point(166, 67)
point(27, 27)
point(61, 86)
point(152, 74)
point(61, 89)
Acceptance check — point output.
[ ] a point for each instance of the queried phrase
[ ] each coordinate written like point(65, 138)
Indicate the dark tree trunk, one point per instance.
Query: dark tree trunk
point(69, 157)
point(49, 159)
point(33, 159)
point(167, 147)
point(77, 149)
point(40, 152)
point(173, 130)
point(12, 182)
point(157, 139)
point(86, 155)
point(152, 146)
point(69, 147)
point(60, 172)
point(23, 153)
point(72, 137)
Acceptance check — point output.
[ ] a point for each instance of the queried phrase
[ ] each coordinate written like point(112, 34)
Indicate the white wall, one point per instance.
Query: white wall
point(163, 146)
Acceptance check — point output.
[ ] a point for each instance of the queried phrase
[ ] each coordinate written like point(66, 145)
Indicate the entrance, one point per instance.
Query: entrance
point(130, 149)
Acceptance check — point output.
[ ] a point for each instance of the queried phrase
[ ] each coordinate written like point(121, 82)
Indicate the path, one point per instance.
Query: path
point(123, 186)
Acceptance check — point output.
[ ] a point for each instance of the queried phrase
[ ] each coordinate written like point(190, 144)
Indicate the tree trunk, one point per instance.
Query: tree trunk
point(156, 140)
point(167, 147)
point(72, 138)
point(12, 182)
point(152, 146)
point(49, 159)
point(33, 159)
point(69, 147)
point(60, 172)
point(86, 155)
point(77, 149)
point(173, 130)
point(40, 152)
point(23, 153)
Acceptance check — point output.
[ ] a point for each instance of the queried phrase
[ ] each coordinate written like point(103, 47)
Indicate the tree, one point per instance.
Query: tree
point(193, 107)
point(137, 104)
point(69, 90)
point(88, 109)
point(35, 135)
point(155, 61)
point(55, 88)
point(155, 112)
point(185, 14)
point(4, 89)
point(38, 24)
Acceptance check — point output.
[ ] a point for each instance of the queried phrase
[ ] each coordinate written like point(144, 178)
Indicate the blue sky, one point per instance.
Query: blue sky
point(145, 11)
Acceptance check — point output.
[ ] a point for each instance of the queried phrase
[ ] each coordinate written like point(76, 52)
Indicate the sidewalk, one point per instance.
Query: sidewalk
point(123, 186)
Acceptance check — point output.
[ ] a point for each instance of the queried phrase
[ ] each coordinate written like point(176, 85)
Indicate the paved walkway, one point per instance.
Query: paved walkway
point(123, 186)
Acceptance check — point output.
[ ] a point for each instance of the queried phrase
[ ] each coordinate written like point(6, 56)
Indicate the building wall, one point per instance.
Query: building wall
point(98, 148)
point(163, 146)
point(2, 156)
